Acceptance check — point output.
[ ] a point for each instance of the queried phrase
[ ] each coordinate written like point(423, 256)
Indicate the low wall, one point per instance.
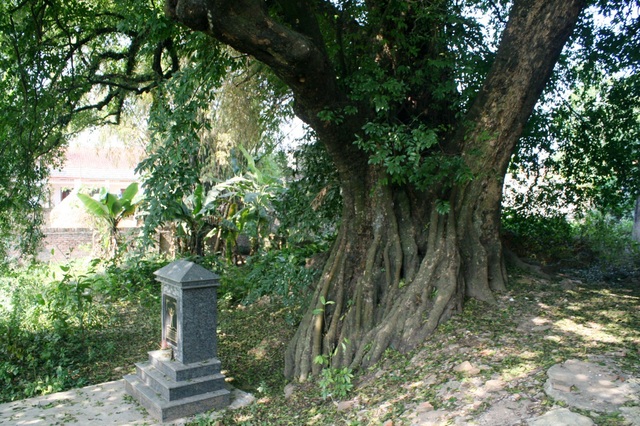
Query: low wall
point(61, 244)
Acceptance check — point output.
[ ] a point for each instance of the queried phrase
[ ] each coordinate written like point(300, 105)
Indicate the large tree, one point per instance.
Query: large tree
point(421, 161)
point(419, 104)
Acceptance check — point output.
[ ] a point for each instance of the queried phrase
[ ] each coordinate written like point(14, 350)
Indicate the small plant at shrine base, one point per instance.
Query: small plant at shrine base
point(334, 382)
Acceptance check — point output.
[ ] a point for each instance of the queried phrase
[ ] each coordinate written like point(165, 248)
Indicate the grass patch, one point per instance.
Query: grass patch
point(251, 345)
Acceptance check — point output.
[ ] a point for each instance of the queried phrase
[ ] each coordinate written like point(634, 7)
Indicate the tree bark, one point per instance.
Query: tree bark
point(398, 267)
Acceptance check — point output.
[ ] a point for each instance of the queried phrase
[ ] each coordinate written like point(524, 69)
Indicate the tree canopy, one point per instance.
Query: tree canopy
point(65, 66)
point(582, 143)
point(419, 105)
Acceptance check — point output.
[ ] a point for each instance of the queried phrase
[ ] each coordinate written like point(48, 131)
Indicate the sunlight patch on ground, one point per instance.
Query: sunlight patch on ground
point(554, 338)
point(591, 332)
point(518, 371)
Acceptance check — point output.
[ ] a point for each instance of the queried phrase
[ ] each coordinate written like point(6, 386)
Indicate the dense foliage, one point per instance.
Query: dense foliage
point(309, 211)
point(582, 145)
point(66, 326)
point(418, 107)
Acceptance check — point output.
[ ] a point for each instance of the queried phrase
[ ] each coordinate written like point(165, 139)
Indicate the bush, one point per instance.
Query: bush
point(594, 241)
point(59, 322)
point(39, 312)
point(280, 273)
point(133, 279)
point(609, 240)
point(543, 238)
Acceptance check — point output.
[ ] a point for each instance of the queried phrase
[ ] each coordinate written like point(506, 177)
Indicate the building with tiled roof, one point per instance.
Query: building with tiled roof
point(94, 168)
point(88, 168)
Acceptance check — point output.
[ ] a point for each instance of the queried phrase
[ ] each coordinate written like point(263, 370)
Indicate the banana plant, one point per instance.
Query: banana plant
point(220, 213)
point(248, 200)
point(194, 212)
point(109, 209)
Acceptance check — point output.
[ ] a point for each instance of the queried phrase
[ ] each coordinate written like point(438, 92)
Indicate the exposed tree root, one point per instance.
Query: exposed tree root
point(388, 289)
point(513, 259)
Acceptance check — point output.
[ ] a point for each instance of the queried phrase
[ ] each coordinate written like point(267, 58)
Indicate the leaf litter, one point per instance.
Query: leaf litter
point(487, 366)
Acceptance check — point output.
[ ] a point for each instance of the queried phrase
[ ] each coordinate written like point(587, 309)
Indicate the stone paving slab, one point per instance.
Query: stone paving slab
point(590, 386)
point(103, 404)
point(561, 417)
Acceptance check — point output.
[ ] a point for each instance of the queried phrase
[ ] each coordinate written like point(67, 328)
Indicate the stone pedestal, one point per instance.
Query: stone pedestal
point(184, 379)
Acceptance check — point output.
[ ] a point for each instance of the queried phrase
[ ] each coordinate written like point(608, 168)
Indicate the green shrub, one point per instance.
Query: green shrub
point(133, 279)
point(59, 322)
point(334, 382)
point(608, 240)
point(43, 316)
point(279, 273)
point(593, 241)
point(534, 236)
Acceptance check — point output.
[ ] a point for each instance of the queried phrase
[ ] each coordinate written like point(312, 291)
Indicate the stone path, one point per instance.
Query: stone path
point(561, 417)
point(589, 386)
point(592, 388)
point(586, 386)
point(104, 404)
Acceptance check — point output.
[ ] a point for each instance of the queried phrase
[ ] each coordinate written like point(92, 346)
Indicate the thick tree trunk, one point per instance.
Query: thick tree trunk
point(393, 284)
point(389, 283)
point(393, 277)
point(398, 268)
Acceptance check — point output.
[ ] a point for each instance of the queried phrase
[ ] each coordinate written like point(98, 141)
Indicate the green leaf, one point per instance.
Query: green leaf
point(94, 207)
point(130, 192)
point(443, 207)
point(319, 359)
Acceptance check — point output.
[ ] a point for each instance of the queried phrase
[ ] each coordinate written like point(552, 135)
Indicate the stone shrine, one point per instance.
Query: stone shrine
point(184, 379)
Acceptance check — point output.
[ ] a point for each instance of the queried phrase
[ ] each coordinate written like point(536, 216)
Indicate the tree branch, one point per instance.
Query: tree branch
point(531, 44)
point(298, 59)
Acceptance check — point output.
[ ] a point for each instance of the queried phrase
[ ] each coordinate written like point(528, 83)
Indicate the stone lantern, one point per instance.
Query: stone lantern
point(184, 379)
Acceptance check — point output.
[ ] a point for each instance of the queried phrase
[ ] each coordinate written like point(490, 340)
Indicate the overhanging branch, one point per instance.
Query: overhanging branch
point(299, 59)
